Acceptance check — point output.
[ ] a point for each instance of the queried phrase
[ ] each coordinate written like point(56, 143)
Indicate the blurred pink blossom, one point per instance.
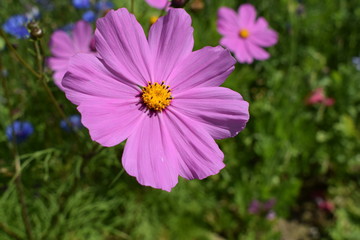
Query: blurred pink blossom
point(63, 46)
point(318, 96)
point(160, 4)
point(245, 35)
point(263, 208)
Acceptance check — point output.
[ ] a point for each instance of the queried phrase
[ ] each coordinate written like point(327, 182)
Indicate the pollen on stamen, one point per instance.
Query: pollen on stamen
point(156, 96)
point(244, 33)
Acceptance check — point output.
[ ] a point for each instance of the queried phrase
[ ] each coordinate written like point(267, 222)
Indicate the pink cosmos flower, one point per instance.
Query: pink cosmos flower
point(245, 35)
point(318, 96)
point(63, 47)
point(160, 4)
point(158, 94)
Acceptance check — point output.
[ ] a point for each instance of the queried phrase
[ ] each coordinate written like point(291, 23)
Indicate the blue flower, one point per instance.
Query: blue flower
point(104, 5)
point(22, 130)
point(89, 16)
point(81, 4)
point(75, 122)
point(16, 26)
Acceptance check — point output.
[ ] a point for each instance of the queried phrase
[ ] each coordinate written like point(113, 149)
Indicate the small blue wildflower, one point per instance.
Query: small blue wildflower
point(22, 130)
point(356, 62)
point(16, 26)
point(104, 5)
point(75, 122)
point(89, 16)
point(81, 4)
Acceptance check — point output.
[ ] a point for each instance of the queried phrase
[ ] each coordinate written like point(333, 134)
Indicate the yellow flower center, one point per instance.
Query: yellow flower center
point(156, 96)
point(244, 33)
point(153, 20)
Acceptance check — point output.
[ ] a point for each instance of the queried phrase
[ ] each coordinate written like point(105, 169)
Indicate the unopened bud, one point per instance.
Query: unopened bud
point(32, 25)
point(36, 33)
point(197, 5)
point(178, 3)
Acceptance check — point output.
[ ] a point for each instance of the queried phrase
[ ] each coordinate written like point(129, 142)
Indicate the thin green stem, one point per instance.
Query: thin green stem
point(40, 62)
point(17, 163)
point(132, 6)
point(17, 56)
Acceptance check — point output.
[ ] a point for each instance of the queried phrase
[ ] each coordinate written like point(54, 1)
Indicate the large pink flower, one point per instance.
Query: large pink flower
point(245, 35)
point(158, 94)
point(63, 46)
point(160, 4)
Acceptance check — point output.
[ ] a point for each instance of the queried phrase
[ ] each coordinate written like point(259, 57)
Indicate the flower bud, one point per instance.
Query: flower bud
point(32, 25)
point(36, 33)
point(197, 5)
point(178, 3)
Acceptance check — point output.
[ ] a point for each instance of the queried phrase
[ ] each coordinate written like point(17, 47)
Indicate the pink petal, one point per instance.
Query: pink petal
point(264, 38)
point(170, 40)
point(82, 36)
point(237, 46)
point(197, 153)
point(329, 101)
point(58, 76)
point(317, 96)
point(121, 42)
point(260, 24)
point(247, 15)
point(256, 52)
point(149, 154)
point(88, 78)
point(227, 23)
point(209, 66)
point(110, 121)
point(58, 63)
point(160, 4)
point(221, 111)
point(61, 44)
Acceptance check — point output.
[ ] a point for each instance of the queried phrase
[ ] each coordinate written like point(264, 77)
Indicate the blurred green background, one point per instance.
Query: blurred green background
point(302, 156)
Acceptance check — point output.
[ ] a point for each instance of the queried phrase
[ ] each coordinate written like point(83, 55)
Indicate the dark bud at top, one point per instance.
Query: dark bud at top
point(178, 3)
point(36, 33)
point(32, 25)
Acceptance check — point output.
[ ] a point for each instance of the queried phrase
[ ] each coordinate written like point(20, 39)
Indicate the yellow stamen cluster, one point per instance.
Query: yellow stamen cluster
point(156, 96)
point(244, 33)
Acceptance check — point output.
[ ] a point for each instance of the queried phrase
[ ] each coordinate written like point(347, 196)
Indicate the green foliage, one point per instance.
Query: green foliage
point(289, 151)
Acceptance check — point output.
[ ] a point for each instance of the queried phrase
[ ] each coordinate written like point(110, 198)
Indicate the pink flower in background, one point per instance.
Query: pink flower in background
point(245, 35)
point(63, 46)
point(318, 96)
point(263, 208)
point(160, 4)
point(158, 94)
point(322, 201)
